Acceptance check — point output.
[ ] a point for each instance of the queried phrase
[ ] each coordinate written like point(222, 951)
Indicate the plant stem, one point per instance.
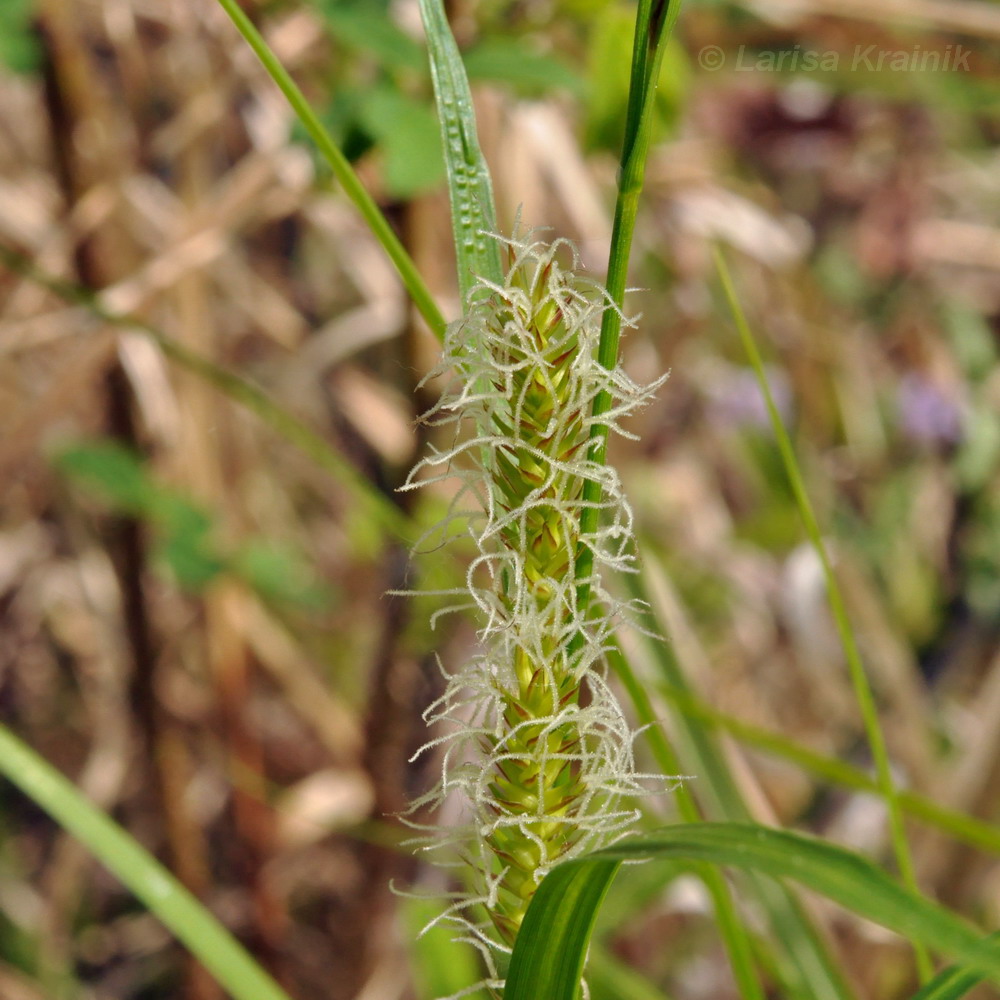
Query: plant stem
point(654, 21)
point(859, 679)
point(342, 170)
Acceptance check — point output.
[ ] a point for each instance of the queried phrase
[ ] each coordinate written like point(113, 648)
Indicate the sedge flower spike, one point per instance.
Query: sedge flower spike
point(537, 748)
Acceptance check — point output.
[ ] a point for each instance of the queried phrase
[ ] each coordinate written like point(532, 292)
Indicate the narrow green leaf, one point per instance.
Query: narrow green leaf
point(552, 943)
point(805, 965)
point(473, 215)
point(952, 982)
point(655, 20)
point(191, 922)
point(859, 678)
point(554, 938)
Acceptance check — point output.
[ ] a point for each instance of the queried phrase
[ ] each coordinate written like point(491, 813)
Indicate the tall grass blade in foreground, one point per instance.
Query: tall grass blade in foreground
point(804, 965)
point(182, 914)
point(464, 162)
point(653, 24)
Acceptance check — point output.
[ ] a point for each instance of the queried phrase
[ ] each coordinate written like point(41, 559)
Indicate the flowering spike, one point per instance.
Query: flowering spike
point(543, 771)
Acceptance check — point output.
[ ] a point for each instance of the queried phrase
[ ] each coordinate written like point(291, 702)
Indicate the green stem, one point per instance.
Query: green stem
point(342, 170)
point(654, 22)
point(859, 679)
point(191, 922)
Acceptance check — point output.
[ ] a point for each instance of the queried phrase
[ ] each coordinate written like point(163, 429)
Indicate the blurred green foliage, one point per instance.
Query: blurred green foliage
point(185, 536)
point(380, 97)
point(443, 966)
point(609, 60)
point(19, 50)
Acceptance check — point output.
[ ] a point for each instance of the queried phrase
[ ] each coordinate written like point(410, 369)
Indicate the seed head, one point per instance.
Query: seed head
point(536, 744)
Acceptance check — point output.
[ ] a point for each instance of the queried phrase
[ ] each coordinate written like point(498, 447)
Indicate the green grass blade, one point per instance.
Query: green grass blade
point(805, 965)
point(346, 177)
point(731, 928)
point(193, 925)
point(473, 215)
point(968, 829)
point(952, 982)
point(553, 947)
point(558, 917)
point(859, 679)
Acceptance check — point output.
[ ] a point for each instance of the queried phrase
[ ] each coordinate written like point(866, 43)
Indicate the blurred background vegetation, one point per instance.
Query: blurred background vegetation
point(194, 620)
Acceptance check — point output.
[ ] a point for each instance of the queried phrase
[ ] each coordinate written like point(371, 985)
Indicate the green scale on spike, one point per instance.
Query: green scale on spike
point(538, 748)
point(536, 782)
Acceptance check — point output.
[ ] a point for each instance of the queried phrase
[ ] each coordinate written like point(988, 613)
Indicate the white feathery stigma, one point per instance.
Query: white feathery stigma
point(534, 741)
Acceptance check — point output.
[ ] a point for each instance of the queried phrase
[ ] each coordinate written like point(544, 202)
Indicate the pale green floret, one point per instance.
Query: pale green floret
point(543, 767)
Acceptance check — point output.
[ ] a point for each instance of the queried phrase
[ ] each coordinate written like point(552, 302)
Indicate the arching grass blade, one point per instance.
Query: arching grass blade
point(555, 935)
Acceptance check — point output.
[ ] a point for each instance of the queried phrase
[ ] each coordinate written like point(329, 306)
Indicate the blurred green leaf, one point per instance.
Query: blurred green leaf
point(442, 965)
point(507, 60)
point(981, 555)
point(407, 132)
point(365, 27)
point(979, 455)
point(184, 541)
point(279, 573)
point(19, 50)
point(972, 340)
point(110, 470)
point(609, 978)
point(190, 560)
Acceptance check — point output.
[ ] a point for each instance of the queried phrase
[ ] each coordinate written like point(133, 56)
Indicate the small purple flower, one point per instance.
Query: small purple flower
point(737, 401)
point(926, 414)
